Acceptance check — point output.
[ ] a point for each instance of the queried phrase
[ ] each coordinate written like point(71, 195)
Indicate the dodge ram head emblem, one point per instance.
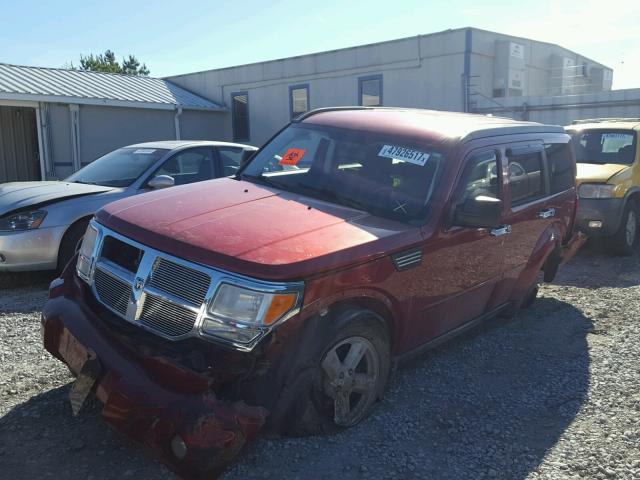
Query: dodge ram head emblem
point(138, 284)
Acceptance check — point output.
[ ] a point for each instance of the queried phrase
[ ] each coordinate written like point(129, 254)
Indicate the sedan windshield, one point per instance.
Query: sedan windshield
point(382, 174)
point(119, 168)
point(604, 146)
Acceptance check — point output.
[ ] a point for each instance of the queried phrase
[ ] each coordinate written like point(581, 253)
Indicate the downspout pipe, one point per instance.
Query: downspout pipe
point(466, 73)
point(176, 120)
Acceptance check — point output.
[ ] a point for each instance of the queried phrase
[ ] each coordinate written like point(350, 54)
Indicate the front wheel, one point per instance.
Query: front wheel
point(337, 381)
point(624, 240)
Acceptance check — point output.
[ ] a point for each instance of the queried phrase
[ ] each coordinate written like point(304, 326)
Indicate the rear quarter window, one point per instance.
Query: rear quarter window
point(561, 173)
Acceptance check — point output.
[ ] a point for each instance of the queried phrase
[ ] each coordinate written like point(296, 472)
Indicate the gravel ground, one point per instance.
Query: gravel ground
point(553, 393)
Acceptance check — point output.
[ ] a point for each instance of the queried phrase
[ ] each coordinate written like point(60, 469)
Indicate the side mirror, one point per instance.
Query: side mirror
point(479, 212)
point(161, 181)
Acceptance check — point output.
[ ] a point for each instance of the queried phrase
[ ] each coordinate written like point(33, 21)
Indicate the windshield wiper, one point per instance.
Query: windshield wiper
point(261, 179)
point(333, 196)
point(85, 183)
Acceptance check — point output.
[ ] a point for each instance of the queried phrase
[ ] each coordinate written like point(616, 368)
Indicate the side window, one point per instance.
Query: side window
point(481, 177)
point(561, 174)
point(230, 160)
point(188, 166)
point(526, 180)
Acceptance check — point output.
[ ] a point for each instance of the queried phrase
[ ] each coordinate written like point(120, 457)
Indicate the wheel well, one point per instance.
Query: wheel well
point(66, 232)
point(376, 306)
point(634, 197)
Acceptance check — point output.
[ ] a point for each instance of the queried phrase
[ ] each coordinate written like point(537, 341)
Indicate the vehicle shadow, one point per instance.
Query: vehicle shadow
point(595, 267)
point(489, 404)
point(40, 438)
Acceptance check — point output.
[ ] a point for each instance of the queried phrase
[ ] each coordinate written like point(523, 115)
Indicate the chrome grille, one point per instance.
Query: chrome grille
point(166, 317)
point(183, 282)
point(112, 292)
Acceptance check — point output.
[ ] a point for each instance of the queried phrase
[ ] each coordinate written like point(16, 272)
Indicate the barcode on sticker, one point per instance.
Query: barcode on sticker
point(406, 154)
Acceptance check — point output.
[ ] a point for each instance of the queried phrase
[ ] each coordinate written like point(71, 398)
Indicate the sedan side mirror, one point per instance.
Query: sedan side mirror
point(479, 212)
point(161, 181)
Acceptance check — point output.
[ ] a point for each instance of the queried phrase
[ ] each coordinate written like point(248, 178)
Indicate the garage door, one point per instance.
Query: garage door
point(18, 145)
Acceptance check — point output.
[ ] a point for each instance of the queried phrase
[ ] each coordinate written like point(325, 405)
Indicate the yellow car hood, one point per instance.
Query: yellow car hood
point(594, 173)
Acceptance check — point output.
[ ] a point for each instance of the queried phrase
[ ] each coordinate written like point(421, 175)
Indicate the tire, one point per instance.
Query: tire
point(531, 296)
point(308, 404)
point(70, 243)
point(625, 239)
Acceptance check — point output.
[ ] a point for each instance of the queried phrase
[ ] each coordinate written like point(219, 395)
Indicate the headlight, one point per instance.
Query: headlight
point(85, 255)
point(596, 190)
point(240, 315)
point(22, 221)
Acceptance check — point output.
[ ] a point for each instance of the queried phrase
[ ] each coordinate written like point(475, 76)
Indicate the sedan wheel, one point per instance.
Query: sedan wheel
point(351, 374)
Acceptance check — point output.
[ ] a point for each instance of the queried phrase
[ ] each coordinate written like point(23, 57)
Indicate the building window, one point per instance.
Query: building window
point(240, 116)
point(298, 99)
point(370, 91)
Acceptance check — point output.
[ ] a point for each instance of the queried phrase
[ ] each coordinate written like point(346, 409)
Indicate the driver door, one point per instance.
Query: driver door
point(461, 265)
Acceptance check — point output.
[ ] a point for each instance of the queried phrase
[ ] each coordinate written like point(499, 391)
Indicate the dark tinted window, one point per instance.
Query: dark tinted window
point(604, 146)
point(525, 176)
point(370, 90)
point(188, 166)
point(240, 115)
point(561, 174)
point(230, 159)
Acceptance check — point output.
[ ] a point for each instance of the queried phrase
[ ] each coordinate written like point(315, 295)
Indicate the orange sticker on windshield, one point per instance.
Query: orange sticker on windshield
point(292, 156)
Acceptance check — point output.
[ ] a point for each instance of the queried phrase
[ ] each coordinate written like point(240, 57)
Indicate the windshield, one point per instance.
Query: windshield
point(604, 146)
point(119, 168)
point(382, 174)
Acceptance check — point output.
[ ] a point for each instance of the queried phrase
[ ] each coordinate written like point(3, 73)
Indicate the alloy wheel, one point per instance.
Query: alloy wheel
point(352, 371)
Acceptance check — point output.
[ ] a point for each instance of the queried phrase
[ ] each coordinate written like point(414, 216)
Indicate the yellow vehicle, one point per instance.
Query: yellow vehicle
point(608, 179)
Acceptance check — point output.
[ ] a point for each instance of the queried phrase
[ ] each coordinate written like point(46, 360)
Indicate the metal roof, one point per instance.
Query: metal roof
point(76, 86)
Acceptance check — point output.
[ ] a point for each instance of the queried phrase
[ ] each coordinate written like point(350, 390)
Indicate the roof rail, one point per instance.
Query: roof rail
point(604, 119)
point(310, 113)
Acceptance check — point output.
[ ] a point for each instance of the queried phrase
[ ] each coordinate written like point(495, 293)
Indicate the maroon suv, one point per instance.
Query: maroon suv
point(281, 297)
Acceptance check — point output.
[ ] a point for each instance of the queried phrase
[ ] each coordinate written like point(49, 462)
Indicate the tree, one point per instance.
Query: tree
point(106, 62)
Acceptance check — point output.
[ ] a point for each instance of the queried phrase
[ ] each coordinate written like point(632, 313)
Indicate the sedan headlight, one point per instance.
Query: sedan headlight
point(240, 315)
point(596, 190)
point(85, 254)
point(22, 221)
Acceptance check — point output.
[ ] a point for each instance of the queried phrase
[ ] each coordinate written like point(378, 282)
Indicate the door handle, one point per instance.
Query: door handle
point(503, 230)
point(548, 213)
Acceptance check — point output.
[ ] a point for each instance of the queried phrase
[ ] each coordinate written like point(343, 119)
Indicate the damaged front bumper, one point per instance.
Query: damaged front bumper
point(169, 409)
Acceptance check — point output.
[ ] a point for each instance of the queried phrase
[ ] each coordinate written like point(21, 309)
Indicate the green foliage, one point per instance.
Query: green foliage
point(106, 62)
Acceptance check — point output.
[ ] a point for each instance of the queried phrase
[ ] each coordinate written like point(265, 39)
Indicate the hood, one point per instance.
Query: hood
point(254, 230)
point(595, 173)
point(19, 195)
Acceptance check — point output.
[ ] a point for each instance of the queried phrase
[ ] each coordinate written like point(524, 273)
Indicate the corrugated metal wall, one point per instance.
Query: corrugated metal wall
point(18, 145)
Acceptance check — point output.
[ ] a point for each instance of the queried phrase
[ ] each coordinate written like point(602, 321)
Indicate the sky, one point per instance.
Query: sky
point(188, 36)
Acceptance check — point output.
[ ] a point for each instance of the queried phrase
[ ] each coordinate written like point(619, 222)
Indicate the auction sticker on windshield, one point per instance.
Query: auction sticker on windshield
point(406, 154)
point(292, 156)
point(144, 151)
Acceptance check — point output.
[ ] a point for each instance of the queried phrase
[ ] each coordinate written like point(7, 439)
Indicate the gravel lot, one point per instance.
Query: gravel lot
point(553, 393)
